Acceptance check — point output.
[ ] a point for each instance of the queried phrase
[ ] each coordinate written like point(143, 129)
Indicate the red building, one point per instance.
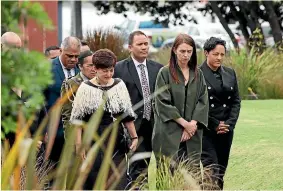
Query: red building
point(37, 37)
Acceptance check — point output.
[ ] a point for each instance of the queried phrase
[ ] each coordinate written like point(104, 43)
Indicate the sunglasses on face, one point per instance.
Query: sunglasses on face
point(72, 56)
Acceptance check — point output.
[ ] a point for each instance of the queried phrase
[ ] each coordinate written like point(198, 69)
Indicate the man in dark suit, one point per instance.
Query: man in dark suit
point(224, 108)
point(63, 67)
point(139, 75)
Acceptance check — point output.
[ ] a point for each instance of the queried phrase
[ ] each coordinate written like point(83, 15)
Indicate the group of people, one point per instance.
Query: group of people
point(187, 112)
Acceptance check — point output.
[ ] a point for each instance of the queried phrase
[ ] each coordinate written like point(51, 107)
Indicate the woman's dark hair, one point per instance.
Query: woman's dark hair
point(180, 39)
point(104, 58)
point(83, 55)
point(212, 42)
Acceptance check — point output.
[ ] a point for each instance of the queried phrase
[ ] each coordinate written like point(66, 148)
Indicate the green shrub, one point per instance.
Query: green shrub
point(171, 175)
point(262, 73)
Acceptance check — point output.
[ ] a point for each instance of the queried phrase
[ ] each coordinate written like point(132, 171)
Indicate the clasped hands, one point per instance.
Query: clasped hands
point(222, 128)
point(189, 130)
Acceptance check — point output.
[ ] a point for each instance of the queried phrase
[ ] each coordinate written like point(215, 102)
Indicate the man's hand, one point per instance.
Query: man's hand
point(222, 128)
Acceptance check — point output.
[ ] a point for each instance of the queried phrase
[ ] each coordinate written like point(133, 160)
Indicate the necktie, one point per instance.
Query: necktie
point(146, 93)
point(69, 73)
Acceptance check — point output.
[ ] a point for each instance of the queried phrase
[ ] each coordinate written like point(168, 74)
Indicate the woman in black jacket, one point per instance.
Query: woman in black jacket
point(224, 108)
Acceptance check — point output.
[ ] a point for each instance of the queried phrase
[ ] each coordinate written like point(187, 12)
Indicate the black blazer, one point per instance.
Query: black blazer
point(126, 71)
point(224, 101)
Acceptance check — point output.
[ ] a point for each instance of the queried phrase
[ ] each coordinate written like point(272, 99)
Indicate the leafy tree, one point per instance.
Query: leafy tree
point(23, 69)
point(247, 13)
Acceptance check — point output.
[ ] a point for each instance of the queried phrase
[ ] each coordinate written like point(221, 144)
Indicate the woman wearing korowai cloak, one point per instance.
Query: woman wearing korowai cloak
point(181, 111)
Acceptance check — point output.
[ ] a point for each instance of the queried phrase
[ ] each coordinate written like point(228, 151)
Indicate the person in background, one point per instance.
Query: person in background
point(63, 66)
point(52, 52)
point(139, 75)
point(84, 46)
point(87, 72)
point(181, 111)
point(224, 108)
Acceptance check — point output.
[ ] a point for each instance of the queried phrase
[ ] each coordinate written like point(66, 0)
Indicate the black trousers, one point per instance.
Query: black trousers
point(215, 154)
point(144, 132)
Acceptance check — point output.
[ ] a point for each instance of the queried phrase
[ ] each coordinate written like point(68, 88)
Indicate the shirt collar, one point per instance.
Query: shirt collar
point(84, 77)
point(138, 63)
point(61, 63)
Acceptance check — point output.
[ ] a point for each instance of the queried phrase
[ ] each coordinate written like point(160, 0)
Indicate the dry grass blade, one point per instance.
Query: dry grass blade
point(91, 156)
point(92, 126)
point(10, 162)
point(100, 183)
point(55, 114)
point(65, 160)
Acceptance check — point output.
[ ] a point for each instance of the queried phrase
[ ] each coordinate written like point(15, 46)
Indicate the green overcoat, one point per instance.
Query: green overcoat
point(172, 104)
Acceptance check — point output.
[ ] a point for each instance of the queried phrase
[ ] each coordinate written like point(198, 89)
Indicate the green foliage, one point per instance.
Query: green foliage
point(257, 42)
point(171, 175)
point(107, 38)
point(13, 11)
point(261, 74)
point(25, 70)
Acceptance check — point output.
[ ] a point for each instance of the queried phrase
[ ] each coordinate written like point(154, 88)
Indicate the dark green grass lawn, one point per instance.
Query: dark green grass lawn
point(256, 160)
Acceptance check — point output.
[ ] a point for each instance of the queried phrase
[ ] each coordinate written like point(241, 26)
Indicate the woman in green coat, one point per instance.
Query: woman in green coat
point(181, 111)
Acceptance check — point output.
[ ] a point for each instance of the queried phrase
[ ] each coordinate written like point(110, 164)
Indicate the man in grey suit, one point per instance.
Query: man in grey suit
point(139, 75)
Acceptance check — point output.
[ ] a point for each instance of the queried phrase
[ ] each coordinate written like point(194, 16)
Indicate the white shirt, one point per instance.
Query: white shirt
point(65, 70)
point(139, 70)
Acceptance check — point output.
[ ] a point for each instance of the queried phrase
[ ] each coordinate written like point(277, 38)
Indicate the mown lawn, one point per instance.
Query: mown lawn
point(256, 160)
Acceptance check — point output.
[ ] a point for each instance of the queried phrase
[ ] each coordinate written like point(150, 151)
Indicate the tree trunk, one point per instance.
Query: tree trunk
point(241, 19)
point(273, 21)
point(76, 19)
point(243, 6)
point(217, 11)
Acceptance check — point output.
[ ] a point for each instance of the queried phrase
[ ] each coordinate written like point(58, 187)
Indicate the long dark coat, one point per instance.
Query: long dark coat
point(172, 104)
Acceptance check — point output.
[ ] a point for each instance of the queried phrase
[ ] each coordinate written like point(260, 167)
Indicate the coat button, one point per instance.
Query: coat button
point(229, 97)
point(211, 97)
point(212, 105)
point(209, 87)
point(224, 105)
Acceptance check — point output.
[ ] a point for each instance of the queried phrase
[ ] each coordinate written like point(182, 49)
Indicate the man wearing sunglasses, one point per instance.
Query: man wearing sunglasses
point(64, 66)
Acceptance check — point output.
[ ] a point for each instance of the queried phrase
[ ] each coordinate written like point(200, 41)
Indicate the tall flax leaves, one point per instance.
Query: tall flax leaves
point(69, 148)
point(78, 170)
point(263, 73)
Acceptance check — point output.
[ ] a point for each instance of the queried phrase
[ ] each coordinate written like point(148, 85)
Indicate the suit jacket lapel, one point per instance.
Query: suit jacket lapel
point(210, 78)
point(225, 78)
point(60, 69)
point(133, 72)
point(150, 69)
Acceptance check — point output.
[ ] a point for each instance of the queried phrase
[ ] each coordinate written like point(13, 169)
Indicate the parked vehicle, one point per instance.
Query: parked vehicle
point(201, 32)
point(157, 32)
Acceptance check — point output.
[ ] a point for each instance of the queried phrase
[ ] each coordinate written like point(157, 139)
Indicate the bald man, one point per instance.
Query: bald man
point(10, 40)
point(64, 66)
